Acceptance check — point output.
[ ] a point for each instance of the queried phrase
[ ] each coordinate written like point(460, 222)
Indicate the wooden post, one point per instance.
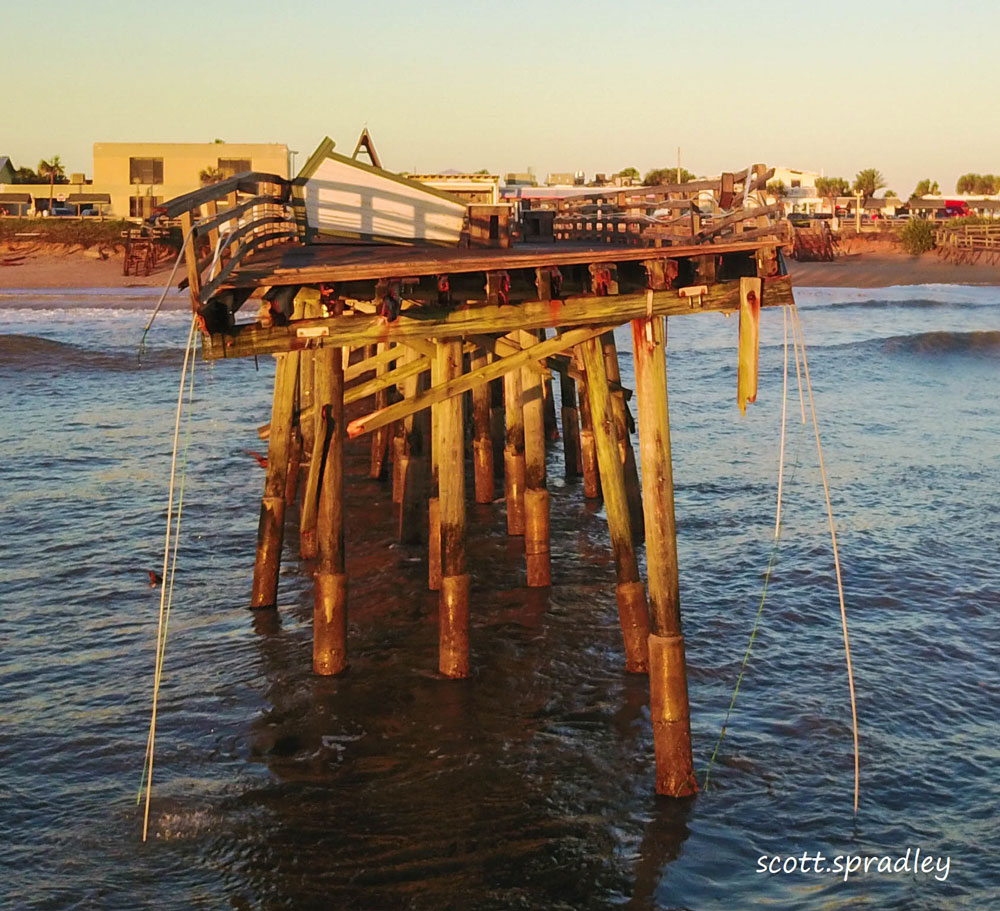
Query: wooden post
point(482, 443)
point(413, 467)
point(631, 595)
point(434, 502)
point(497, 425)
point(271, 526)
point(453, 617)
point(668, 698)
point(570, 426)
point(380, 437)
point(513, 454)
point(536, 496)
point(330, 600)
point(588, 447)
point(632, 489)
point(312, 446)
point(295, 442)
point(548, 400)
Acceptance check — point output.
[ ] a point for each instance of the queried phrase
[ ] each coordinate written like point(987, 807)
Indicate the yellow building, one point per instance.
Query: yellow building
point(140, 175)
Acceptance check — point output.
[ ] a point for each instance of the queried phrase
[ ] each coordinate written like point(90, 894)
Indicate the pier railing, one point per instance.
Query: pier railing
point(692, 212)
point(225, 223)
point(968, 243)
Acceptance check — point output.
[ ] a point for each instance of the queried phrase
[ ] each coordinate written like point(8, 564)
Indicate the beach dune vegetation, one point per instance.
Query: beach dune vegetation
point(917, 236)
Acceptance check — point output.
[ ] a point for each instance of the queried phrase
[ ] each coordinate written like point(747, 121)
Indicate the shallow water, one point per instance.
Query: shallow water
point(530, 784)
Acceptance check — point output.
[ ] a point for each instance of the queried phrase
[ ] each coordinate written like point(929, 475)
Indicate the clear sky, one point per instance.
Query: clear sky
point(905, 87)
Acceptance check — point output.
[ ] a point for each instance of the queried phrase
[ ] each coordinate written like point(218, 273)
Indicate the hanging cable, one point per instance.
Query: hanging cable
point(167, 584)
point(770, 562)
point(797, 328)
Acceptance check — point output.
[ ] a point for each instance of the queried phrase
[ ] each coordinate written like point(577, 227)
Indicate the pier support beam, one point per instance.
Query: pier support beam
point(482, 442)
point(631, 595)
point(413, 467)
point(453, 616)
point(633, 492)
point(312, 448)
point(588, 447)
point(668, 698)
point(513, 454)
point(271, 526)
point(570, 426)
point(536, 496)
point(380, 436)
point(330, 599)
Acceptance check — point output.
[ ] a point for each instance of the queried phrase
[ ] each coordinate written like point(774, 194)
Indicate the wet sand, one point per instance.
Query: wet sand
point(82, 269)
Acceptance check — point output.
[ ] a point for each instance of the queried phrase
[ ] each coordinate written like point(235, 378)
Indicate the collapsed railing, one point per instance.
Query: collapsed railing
point(732, 205)
point(225, 223)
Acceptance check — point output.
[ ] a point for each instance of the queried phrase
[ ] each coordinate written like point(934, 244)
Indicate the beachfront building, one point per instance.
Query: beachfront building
point(140, 175)
point(800, 191)
point(566, 179)
point(482, 189)
point(6, 170)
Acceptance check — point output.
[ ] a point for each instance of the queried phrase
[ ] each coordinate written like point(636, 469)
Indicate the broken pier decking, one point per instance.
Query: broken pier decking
point(401, 333)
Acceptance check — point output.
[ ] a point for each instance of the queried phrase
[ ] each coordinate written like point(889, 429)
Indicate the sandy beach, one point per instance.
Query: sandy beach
point(27, 268)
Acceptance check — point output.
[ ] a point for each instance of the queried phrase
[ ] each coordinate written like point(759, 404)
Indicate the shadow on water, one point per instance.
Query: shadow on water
point(390, 787)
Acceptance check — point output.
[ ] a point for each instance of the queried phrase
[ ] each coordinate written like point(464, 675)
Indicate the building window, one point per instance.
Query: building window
point(796, 184)
point(142, 206)
point(230, 167)
point(145, 170)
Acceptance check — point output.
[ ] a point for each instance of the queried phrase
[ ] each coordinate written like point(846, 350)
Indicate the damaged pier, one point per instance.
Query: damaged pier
point(375, 298)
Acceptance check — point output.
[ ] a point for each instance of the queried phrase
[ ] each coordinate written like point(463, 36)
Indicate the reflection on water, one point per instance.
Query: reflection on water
point(529, 785)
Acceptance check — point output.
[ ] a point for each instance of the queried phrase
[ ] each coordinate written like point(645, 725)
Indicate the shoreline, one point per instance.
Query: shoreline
point(30, 270)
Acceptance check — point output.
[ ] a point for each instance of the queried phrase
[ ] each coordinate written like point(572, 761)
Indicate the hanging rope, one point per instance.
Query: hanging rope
point(167, 585)
point(797, 328)
point(770, 562)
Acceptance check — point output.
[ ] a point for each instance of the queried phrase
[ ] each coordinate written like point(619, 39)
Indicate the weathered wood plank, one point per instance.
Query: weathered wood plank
point(467, 381)
point(246, 341)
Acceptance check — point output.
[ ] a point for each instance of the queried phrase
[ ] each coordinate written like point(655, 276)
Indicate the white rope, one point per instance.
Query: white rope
point(167, 580)
point(797, 327)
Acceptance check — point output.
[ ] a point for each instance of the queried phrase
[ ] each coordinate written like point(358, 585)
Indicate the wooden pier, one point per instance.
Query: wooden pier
point(380, 342)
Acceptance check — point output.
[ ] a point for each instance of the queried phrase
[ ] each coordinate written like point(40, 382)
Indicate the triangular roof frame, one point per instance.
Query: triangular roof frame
point(366, 142)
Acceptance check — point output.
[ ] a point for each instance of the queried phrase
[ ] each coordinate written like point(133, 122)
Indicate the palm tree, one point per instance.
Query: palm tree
point(54, 170)
point(831, 188)
point(210, 175)
point(866, 182)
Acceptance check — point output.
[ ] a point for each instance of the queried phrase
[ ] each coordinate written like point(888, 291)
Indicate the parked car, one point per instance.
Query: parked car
point(58, 210)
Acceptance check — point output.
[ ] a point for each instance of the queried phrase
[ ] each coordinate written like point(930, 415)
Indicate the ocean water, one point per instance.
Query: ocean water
point(530, 784)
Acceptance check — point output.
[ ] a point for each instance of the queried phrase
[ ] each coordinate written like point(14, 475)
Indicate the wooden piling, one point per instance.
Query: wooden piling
point(588, 447)
point(330, 597)
point(453, 618)
point(513, 454)
point(632, 490)
point(548, 399)
point(413, 466)
point(482, 442)
point(295, 437)
point(667, 672)
point(271, 525)
point(572, 455)
point(632, 612)
point(380, 437)
point(312, 447)
point(434, 501)
point(536, 496)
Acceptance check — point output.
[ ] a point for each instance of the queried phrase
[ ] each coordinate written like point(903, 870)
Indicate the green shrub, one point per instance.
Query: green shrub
point(917, 236)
